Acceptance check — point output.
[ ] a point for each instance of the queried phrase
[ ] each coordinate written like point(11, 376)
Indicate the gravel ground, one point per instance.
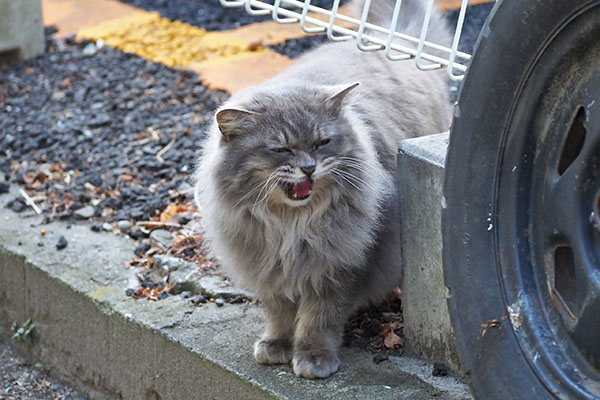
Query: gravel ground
point(295, 47)
point(112, 134)
point(20, 378)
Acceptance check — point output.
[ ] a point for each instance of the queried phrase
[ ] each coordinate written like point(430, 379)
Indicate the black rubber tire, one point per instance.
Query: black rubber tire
point(500, 92)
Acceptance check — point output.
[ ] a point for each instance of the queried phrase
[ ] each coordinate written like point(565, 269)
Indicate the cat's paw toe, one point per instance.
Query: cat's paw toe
point(273, 351)
point(315, 364)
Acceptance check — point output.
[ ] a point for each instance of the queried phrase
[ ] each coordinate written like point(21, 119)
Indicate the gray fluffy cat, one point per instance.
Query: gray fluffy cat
point(297, 187)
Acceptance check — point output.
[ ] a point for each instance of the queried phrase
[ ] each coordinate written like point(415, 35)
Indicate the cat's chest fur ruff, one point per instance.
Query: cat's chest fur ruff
point(296, 251)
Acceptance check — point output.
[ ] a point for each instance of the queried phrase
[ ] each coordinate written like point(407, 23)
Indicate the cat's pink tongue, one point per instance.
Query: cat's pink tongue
point(302, 189)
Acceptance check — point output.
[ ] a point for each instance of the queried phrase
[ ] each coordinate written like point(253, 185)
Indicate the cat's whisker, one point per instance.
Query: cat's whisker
point(340, 184)
point(360, 166)
point(339, 173)
point(363, 171)
point(357, 168)
point(264, 201)
point(264, 186)
point(267, 193)
point(271, 189)
point(359, 180)
point(255, 188)
point(248, 194)
point(356, 160)
point(270, 192)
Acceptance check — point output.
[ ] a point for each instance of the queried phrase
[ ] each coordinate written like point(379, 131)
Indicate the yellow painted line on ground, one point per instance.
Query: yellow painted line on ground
point(173, 43)
point(223, 60)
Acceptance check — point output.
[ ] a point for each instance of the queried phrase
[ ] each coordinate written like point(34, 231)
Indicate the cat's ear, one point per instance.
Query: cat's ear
point(233, 121)
point(335, 101)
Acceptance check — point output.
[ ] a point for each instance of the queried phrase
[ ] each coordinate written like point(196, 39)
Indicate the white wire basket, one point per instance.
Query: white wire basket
point(397, 45)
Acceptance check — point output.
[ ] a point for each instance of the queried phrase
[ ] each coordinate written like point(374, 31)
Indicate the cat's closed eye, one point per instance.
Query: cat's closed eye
point(281, 150)
point(322, 143)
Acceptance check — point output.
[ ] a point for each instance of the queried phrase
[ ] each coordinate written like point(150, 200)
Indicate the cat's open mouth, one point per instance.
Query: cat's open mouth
point(298, 190)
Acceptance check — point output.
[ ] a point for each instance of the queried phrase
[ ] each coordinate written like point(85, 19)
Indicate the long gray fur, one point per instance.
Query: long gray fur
point(310, 261)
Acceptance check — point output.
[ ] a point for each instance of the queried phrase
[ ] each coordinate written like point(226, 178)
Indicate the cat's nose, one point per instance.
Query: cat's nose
point(308, 169)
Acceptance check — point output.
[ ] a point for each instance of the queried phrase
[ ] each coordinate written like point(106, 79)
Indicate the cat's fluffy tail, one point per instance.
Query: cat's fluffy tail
point(410, 19)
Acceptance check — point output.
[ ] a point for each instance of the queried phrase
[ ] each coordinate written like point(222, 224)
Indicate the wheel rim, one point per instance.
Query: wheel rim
point(549, 187)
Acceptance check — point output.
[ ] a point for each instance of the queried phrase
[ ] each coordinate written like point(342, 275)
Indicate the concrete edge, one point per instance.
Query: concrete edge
point(74, 330)
point(428, 329)
point(108, 345)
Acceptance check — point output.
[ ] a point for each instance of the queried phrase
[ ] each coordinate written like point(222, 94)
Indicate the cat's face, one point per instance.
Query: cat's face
point(290, 149)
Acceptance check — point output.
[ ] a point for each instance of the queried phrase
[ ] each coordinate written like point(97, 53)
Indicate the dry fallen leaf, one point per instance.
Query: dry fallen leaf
point(66, 83)
point(391, 340)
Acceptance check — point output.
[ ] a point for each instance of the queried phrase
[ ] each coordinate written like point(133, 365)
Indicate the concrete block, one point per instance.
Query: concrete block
point(426, 319)
point(21, 29)
point(109, 346)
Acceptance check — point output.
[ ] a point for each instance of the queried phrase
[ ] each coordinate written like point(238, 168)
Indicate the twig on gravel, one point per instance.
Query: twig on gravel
point(155, 133)
point(158, 223)
point(162, 151)
point(154, 130)
point(172, 120)
point(143, 141)
point(184, 192)
point(30, 201)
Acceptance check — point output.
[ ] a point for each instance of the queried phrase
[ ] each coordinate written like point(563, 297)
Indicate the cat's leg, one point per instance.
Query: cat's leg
point(275, 346)
point(318, 336)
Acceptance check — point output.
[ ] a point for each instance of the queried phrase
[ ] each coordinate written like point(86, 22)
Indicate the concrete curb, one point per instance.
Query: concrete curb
point(427, 324)
point(107, 345)
point(21, 29)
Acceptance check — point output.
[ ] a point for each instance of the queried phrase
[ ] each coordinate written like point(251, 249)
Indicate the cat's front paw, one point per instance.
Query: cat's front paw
point(273, 351)
point(311, 364)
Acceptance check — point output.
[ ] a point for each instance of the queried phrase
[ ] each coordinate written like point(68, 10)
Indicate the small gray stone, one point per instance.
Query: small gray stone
point(87, 133)
point(8, 139)
point(85, 212)
point(215, 286)
point(101, 119)
point(62, 243)
point(106, 226)
point(162, 237)
point(80, 95)
point(219, 302)
point(166, 263)
point(184, 186)
point(89, 50)
point(58, 95)
point(124, 225)
point(199, 300)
